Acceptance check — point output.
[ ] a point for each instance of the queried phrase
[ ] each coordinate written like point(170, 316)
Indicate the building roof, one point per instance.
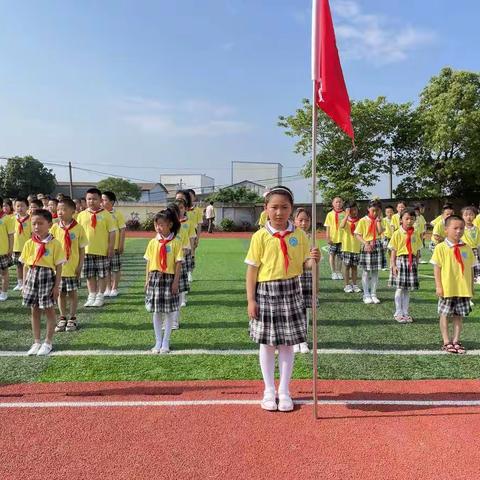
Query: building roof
point(246, 181)
point(146, 187)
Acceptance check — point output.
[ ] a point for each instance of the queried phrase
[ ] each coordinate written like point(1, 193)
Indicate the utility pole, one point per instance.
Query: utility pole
point(390, 174)
point(71, 182)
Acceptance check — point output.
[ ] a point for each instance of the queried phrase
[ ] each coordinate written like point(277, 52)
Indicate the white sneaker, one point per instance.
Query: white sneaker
point(114, 293)
point(356, 289)
point(17, 287)
point(107, 292)
point(285, 402)
point(44, 350)
point(34, 349)
point(367, 300)
point(3, 296)
point(155, 350)
point(477, 280)
point(296, 349)
point(304, 348)
point(348, 289)
point(268, 402)
point(334, 276)
point(339, 276)
point(99, 300)
point(189, 276)
point(90, 300)
point(375, 299)
point(183, 304)
point(175, 326)
point(163, 351)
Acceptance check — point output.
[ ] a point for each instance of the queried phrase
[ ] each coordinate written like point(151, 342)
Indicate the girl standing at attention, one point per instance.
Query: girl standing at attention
point(278, 255)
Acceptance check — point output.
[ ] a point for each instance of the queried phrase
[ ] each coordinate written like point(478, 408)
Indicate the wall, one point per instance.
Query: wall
point(142, 209)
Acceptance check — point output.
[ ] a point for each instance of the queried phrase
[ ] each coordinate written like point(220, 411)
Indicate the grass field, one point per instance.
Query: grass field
point(215, 318)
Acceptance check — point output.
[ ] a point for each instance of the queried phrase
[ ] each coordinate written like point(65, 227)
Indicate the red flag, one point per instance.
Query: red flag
point(331, 92)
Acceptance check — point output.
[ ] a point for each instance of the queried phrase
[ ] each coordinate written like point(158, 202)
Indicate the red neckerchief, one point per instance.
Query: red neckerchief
point(41, 249)
point(372, 228)
point(410, 231)
point(458, 255)
point(337, 213)
point(93, 217)
point(163, 252)
point(67, 239)
point(54, 215)
point(283, 246)
point(2, 213)
point(353, 224)
point(21, 221)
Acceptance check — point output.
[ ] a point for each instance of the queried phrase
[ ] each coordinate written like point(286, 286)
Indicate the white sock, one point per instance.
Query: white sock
point(365, 283)
point(398, 302)
point(20, 283)
point(92, 295)
point(176, 318)
point(405, 302)
point(169, 319)
point(183, 297)
point(373, 282)
point(267, 365)
point(285, 364)
point(157, 328)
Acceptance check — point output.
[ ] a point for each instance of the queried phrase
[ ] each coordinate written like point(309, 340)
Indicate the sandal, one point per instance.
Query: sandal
point(449, 348)
point(71, 325)
point(459, 348)
point(61, 324)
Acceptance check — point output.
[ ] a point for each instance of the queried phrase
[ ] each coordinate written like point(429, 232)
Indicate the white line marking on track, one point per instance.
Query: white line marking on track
point(199, 403)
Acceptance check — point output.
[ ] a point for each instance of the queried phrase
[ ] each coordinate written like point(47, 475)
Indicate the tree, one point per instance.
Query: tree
point(235, 195)
point(448, 159)
point(385, 136)
point(22, 176)
point(123, 189)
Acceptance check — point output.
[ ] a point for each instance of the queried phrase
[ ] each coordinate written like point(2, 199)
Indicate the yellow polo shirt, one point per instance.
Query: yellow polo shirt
point(436, 220)
point(97, 237)
point(398, 242)
point(334, 233)
point(471, 237)
point(19, 239)
point(477, 221)
point(263, 218)
point(174, 255)
point(395, 222)
point(266, 254)
point(420, 224)
point(388, 228)
point(7, 228)
point(53, 256)
point(350, 243)
point(454, 282)
point(362, 229)
point(119, 220)
point(439, 229)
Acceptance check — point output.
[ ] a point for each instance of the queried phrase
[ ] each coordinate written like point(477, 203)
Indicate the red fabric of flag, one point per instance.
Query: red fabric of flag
point(331, 92)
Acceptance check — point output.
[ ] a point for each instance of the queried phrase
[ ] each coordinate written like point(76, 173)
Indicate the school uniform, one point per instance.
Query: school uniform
point(395, 222)
point(42, 257)
point(350, 244)
point(388, 229)
point(436, 220)
point(184, 237)
point(406, 262)
point(438, 229)
point(72, 238)
point(374, 260)
point(23, 232)
point(263, 219)
point(187, 230)
point(456, 263)
point(332, 221)
point(161, 267)
point(306, 284)
point(97, 225)
point(7, 228)
point(476, 222)
point(471, 237)
point(119, 221)
point(282, 314)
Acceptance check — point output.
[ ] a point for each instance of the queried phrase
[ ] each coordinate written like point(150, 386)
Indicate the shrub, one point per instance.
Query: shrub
point(148, 224)
point(227, 225)
point(133, 223)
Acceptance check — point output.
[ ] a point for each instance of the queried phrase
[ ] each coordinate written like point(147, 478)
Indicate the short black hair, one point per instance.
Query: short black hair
point(171, 216)
point(279, 190)
point(174, 206)
point(69, 202)
point(180, 201)
point(451, 218)
point(401, 202)
point(54, 200)
point(447, 206)
point(191, 190)
point(94, 191)
point(469, 208)
point(111, 196)
point(300, 210)
point(42, 212)
point(188, 197)
point(350, 204)
point(410, 211)
point(38, 203)
point(374, 203)
point(23, 200)
point(389, 206)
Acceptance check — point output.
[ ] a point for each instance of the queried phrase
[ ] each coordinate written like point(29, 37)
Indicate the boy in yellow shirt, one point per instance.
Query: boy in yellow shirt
point(73, 239)
point(7, 229)
point(42, 257)
point(439, 233)
point(472, 237)
point(334, 237)
point(453, 262)
point(23, 231)
point(100, 229)
point(401, 206)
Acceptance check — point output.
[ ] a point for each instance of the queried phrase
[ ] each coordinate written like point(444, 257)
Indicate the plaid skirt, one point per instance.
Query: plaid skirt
point(374, 260)
point(385, 242)
point(350, 259)
point(306, 285)
point(193, 263)
point(115, 262)
point(96, 266)
point(37, 290)
point(282, 318)
point(188, 260)
point(184, 284)
point(476, 269)
point(69, 284)
point(335, 249)
point(5, 262)
point(406, 279)
point(454, 306)
point(16, 258)
point(159, 297)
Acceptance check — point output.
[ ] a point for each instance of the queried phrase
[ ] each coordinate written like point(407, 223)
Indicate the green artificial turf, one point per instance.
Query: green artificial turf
point(215, 318)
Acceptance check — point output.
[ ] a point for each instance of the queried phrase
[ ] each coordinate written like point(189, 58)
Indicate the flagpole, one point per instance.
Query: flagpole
point(314, 242)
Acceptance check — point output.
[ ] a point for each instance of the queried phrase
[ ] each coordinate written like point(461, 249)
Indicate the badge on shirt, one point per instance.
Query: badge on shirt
point(47, 253)
point(293, 241)
point(169, 248)
point(465, 255)
point(72, 236)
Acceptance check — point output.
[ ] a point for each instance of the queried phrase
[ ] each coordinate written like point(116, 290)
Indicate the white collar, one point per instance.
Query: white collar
point(451, 244)
point(62, 224)
point(161, 237)
point(47, 238)
point(273, 231)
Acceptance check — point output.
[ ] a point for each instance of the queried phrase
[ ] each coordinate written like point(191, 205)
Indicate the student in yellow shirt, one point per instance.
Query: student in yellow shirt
point(401, 206)
point(23, 231)
point(436, 220)
point(164, 258)
point(278, 255)
point(34, 205)
point(7, 229)
point(52, 207)
point(350, 248)
point(439, 232)
point(405, 246)
point(477, 220)
point(8, 207)
point(453, 263)
point(100, 229)
point(42, 257)
point(372, 255)
point(73, 239)
point(472, 237)
point(109, 199)
point(332, 225)
point(262, 220)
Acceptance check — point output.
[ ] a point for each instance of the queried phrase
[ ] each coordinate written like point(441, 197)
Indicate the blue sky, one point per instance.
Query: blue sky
point(140, 88)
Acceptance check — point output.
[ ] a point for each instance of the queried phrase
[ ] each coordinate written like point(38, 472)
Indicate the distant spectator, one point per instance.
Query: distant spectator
point(210, 216)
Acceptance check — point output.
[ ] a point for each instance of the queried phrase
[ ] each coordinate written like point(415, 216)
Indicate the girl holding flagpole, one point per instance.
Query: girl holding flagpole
point(277, 256)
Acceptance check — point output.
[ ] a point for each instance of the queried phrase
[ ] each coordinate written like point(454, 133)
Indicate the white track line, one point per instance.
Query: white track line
point(325, 351)
point(198, 403)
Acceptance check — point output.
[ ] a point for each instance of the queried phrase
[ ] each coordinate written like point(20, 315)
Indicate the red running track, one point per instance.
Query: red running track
point(240, 442)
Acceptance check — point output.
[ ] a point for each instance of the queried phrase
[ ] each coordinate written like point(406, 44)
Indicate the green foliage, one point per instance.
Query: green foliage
point(227, 225)
point(123, 189)
point(235, 195)
point(133, 223)
point(22, 176)
point(148, 223)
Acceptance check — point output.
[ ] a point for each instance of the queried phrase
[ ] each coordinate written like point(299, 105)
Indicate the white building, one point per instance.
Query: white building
point(252, 186)
point(263, 173)
point(200, 183)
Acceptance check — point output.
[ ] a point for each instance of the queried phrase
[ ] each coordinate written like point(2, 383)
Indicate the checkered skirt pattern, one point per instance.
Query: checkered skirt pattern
point(159, 297)
point(16, 258)
point(282, 318)
point(350, 259)
point(5, 262)
point(95, 266)
point(454, 306)
point(385, 242)
point(476, 269)
point(306, 284)
point(38, 286)
point(69, 284)
point(184, 284)
point(374, 260)
point(115, 262)
point(188, 260)
point(406, 279)
point(335, 249)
